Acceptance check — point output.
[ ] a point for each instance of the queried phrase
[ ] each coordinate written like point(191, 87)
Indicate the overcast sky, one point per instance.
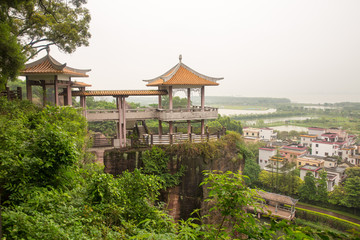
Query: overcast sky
point(303, 50)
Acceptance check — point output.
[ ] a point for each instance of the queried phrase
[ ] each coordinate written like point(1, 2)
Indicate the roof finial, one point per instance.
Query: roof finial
point(180, 58)
point(48, 49)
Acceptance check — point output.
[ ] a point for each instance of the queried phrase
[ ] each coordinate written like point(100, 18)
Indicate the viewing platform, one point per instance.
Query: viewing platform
point(176, 114)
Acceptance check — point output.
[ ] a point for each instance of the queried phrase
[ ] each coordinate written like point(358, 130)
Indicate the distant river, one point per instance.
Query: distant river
point(273, 120)
point(229, 112)
point(289, 128)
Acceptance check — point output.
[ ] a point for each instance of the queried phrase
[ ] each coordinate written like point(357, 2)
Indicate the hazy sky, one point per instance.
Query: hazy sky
point(304, 50)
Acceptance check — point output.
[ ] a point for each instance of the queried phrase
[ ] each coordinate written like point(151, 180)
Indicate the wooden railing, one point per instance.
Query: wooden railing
point(178, 138)
point(12, 94)
point(103, 142)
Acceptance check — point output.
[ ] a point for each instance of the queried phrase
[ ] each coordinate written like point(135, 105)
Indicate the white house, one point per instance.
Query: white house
point(264, 156)
point(267, 134)
point(316, 131)
point(334, 174)
point(305, 140)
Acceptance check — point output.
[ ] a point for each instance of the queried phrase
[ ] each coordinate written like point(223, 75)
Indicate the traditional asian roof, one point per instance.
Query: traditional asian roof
point(182, 75)
point(80, 84)
point(49, 66)
point(120, 93)
point(277, 197)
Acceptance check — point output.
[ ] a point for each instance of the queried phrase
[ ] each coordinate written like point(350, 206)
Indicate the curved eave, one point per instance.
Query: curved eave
point(46, 73)
point(188, 76)
point(120, 93)
point(49, 66)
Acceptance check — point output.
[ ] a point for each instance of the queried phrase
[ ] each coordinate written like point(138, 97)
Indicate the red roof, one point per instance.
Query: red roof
point(326, 142)
point(181, 75)
point(268, 149)
point(49, 66)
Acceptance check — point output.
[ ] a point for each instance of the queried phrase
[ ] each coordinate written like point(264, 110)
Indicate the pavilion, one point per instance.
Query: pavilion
point(47, 72)
point(182, 77)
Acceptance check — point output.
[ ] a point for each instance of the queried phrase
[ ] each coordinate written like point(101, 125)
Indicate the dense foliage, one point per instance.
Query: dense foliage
point(30, 26)
point(50, 192)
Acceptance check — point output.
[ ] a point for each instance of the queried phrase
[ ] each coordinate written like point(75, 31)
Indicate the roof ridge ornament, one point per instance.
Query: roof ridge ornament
point(180, 58)
point(48, 50)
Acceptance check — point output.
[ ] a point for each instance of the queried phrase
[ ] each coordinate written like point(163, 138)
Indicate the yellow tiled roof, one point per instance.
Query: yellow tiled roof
point(48, 65)
point(120, 93)
point(181, 74)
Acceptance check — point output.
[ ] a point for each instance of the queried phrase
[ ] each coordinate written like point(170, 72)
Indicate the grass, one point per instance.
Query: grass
point(329, 216)
point(331, 210)
point(317, 225)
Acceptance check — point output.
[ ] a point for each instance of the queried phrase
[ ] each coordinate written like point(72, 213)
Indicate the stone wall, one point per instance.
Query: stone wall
point(182, 200)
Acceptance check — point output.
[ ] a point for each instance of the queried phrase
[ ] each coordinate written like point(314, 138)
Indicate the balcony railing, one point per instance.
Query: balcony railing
point(193, 113)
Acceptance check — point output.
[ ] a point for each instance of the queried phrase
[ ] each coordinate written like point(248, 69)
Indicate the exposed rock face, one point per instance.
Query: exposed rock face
point(182, 200)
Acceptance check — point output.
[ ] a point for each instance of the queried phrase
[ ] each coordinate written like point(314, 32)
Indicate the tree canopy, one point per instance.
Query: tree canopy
point(29, 26)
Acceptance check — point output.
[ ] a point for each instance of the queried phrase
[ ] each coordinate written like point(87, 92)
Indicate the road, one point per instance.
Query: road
point(329, 212)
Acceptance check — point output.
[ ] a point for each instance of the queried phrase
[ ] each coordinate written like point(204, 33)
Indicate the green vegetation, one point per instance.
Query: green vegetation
point(30, 26)
point(328, 220)
point(50, 191)
point(314, 189)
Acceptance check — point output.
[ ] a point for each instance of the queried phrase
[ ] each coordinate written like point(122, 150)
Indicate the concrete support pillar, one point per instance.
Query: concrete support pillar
point(189, 127)
point(171, 126)
point(160, 128)
point(124, 120)
point(64, 94)
point(159, 100)
point(68, 94)
point(28, 89)
point(202, 98)
point(43, 92)
point(56, 91)
point(202, 126)
point(170, 98)
point(119, 105)
point(188, 98)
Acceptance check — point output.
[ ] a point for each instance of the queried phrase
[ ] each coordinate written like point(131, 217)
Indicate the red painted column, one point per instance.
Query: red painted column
point(56, 91)
point(202, 126)
point(68, 94)
point(44, 92)
point(189, 127)
point(160, 129)
point(28, 89)
point(171, 126)
point(119, 101)
point(124, 120)
point(188, 98)
point(170, 98)
point(202, 98)
point(159, 100)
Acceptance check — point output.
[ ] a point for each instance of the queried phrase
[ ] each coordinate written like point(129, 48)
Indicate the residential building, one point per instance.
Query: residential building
point(309, 160)
point(251, 132)
point(267, 134)
point(305, 140)
point(316, 131)
point(292, 152)
point(334, 175)
point(264, 155)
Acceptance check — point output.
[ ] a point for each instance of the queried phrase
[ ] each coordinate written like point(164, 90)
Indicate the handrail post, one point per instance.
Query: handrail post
point(151, 139)
point(19, 93)
point(8, 93)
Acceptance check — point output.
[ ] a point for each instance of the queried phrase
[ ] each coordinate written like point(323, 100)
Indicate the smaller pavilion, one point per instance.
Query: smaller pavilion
point(47, 72)
point(182, 77)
